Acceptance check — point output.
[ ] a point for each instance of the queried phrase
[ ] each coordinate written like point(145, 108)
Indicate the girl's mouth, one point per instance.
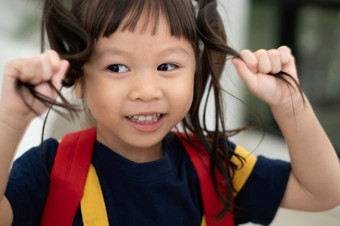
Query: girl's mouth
point(145, 119)
point(146, 122)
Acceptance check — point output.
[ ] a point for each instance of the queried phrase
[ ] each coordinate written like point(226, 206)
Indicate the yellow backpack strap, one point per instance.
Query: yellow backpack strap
point(92, 203)
point(204, 221)
point(243, 169)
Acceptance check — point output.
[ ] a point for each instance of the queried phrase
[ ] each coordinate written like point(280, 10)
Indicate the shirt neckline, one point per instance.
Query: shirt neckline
point(109, 160)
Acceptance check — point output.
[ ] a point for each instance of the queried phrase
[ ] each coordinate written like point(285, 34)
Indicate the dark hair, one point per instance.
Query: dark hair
point(72, 32)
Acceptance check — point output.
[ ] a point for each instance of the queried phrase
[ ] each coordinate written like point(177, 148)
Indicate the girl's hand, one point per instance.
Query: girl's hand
point(258, 71)
point(36, 71)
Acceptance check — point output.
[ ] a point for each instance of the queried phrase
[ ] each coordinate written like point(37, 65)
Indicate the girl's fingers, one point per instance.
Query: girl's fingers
point(245, 73)
point(50, 65)
point(45, 70)
point(264, 63)
point(267, 62)
point(54, 60)
point(275, 60)
point(285, 55)
point(250, 60)
point(38, 69)
point(24, 69)
point(287, 61)
point(59, 74)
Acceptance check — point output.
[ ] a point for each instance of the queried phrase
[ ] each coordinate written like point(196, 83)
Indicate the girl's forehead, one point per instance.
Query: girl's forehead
point(146, 22)
point(142, 14)
point(145, 25)
point(152, 37)
point(146, 34)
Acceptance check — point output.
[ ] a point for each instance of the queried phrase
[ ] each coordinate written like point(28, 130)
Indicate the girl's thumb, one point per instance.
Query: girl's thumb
point(244, 72)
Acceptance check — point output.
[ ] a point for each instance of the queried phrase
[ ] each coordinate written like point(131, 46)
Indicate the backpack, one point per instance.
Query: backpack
point(74, 181)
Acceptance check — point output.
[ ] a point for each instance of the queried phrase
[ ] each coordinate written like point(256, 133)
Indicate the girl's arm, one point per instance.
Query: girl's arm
point(15, 116)
point(314, 183)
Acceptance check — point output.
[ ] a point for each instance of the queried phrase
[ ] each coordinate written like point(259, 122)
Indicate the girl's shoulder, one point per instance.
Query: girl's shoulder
point(39, 155)
point(29, 182)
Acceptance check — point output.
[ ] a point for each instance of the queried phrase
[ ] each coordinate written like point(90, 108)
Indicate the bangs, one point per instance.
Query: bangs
point(125, 14)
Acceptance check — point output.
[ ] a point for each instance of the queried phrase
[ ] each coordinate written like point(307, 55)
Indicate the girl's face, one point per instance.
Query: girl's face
point(139, 85)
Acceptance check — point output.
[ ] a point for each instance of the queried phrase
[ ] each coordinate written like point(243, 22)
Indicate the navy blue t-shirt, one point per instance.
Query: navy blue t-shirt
point(162, 192)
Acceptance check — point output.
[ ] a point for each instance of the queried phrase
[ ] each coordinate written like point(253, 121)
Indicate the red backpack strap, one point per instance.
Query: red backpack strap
point(68, 177)
point(211, 202)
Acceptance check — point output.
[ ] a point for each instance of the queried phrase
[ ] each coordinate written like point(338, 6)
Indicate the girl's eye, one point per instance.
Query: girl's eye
point(117, 68)
point(167, 67)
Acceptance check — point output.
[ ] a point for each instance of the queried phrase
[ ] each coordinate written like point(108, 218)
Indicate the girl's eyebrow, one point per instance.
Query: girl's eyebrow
point(111, 51)
point(174, 50)
point(166, 51)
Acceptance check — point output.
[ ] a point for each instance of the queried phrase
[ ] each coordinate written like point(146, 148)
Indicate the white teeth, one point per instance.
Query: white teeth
point(145, 118)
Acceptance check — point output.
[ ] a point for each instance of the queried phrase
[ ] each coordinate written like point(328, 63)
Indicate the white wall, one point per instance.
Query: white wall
point(235, 17)
point(11, 48)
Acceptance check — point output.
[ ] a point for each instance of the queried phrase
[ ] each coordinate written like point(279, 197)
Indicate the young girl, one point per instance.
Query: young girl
point(142, 68)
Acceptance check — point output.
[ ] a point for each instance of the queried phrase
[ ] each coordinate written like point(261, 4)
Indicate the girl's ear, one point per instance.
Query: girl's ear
point(78, 89)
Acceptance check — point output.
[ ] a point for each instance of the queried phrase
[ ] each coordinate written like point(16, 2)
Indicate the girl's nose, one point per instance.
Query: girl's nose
point(146, 87)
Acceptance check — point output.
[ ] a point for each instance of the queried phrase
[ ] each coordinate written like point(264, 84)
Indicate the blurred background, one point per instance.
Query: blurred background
point(310, 27)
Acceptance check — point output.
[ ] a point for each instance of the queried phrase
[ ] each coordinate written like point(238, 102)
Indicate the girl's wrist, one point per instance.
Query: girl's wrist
point(291, 107)
point(15, 121)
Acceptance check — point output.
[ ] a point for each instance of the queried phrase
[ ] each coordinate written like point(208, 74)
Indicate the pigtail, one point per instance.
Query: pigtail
point(211, 58)
point(66, 36)
point(214, 51)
